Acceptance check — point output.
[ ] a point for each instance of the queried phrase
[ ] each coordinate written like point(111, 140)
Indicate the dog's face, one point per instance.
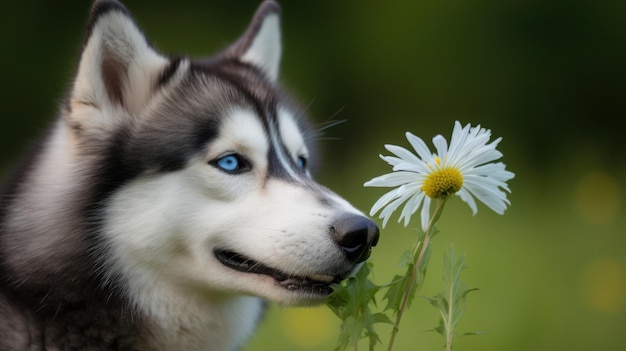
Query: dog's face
point(209, 188)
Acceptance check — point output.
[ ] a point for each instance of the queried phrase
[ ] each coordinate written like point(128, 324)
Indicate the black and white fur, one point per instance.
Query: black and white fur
point(170, 199)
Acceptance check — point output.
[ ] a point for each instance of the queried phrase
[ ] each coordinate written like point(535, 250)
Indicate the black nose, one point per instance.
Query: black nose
point(356, 235)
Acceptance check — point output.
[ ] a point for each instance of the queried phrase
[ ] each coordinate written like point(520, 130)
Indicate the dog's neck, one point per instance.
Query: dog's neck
point(184, 322)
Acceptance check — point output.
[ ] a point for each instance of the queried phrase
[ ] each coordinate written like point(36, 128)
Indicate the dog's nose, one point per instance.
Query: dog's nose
point(356, 235)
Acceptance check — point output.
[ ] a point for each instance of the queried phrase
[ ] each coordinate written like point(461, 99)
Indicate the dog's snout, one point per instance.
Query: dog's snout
point(356, 235)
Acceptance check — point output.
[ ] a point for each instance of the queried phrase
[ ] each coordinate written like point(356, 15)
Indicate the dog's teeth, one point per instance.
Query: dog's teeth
point(322, 278)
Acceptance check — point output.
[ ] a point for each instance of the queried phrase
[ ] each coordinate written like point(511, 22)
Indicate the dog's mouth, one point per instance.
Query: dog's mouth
point(317, 284)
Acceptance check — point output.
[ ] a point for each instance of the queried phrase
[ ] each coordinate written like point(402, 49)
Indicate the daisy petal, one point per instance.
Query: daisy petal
point(384, 200)
point(468, 199)
point(411, 206)
point(425, 215)
point(402, 153)
point(442, 147)
point(393, 179)
point(420, 147)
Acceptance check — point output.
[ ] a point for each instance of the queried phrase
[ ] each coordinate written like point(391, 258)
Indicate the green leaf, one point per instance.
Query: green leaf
point(450, 302)
point(395, 292)
point(406, 259)
point(400, 284)
point(382, 318)
point(351, 301)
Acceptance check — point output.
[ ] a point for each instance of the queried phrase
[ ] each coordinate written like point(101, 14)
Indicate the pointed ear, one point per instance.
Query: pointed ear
point(261, 43)
point(118, 68)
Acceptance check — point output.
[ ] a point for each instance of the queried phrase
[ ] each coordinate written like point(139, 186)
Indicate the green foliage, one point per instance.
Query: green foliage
point(400, 284)
point(451, 301)
point(351, 302)
point(395, 291)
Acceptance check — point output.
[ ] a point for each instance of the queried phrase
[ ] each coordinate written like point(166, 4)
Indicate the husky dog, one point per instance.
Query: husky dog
point(169, 201)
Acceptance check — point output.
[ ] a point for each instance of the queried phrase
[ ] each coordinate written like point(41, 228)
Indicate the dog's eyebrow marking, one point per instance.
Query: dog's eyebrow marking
point(291, 136)
point(278, 148)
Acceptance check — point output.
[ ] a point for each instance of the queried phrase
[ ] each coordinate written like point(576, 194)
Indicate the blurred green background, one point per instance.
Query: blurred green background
point(549, 76)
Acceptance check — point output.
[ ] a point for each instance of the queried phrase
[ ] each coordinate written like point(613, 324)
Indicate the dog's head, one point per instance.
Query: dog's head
point(205, 167)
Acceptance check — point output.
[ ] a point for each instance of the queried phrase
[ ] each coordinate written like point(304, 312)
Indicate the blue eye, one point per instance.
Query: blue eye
point(302, 162)
point(231, 164)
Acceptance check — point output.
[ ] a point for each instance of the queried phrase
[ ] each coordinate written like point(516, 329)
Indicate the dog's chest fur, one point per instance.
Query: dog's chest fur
point(82, 325)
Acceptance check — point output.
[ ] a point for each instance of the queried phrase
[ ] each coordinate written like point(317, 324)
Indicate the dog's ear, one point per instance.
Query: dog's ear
point(118, 68)
point(261, 44)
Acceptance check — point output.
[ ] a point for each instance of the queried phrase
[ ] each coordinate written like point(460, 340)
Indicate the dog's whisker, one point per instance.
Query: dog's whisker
point(321, 130)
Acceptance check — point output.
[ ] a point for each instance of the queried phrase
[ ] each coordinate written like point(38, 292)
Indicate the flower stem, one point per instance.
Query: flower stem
point(421, 246)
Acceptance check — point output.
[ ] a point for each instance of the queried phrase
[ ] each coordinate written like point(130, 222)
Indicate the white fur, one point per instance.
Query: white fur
point(291, 136)
point(266, 49)
point(178, 219)
point(44, 210)
point(117, 35)
point(166, 275)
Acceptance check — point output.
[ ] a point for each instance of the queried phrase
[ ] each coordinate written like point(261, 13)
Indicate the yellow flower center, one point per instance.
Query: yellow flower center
point(442, 182)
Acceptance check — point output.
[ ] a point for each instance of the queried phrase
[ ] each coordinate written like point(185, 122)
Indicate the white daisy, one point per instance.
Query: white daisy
point(464, 168)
